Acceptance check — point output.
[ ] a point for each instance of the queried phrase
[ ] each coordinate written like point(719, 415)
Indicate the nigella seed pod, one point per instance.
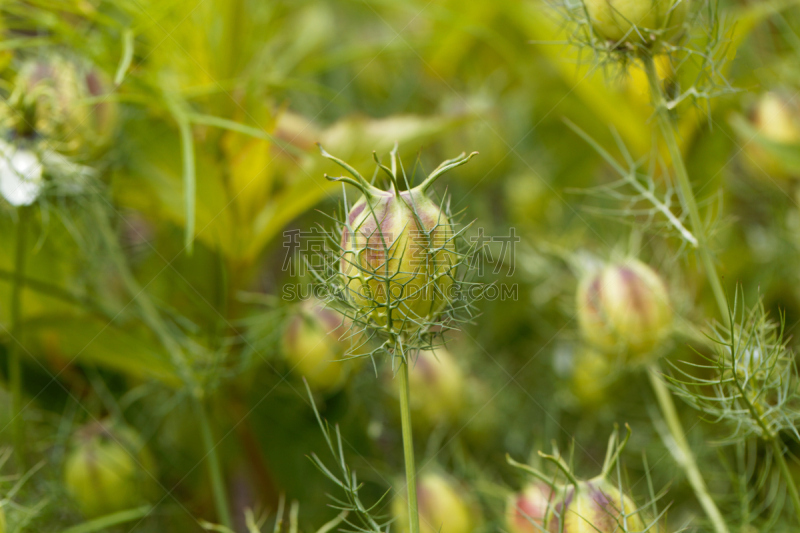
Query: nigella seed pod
point(398, 252)
point(315, 342)
point(624, 306)
point(67, 100)
point(443, 508)
point(438, 383)
point(770, 149)
point(527, 510)
point(777, 118)
point(641, 22)
point(595, 506)
point(591, 376)
point(108, 470)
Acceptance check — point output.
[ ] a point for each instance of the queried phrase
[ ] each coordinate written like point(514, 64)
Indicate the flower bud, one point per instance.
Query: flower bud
point(595, 506)
point(108, 470)
point(437, 386)
point(624, 305)
point(442, 507)
point(637, 21)
point(526, 510)
point(399, 250)
point(315, 342)
point(776, 123)
point(67, 101)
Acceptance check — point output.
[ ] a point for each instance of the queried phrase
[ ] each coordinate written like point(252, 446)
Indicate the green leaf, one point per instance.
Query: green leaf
point(114, 519)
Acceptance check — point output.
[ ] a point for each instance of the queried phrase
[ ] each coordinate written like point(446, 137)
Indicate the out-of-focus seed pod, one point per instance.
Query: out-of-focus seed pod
point(2, 521)
point(437, 383)
point(775, 119)
point(528, 199)
point(526, 510)
point(67, 101)
point(443, 508)
point(595, 506)
point(624, 305)
point(398, 258)
point(484, 415)
point(591, 374)
point(108, 469)
point(642, 22)
point(315, 342)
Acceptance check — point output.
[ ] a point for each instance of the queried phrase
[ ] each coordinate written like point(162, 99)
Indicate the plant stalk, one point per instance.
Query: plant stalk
point(683, 455)
point(662, 393)
point(684, 184)
point(214, 467)
point(14, 355)
point(408, 449)
point(152, 318)
point(787, 474)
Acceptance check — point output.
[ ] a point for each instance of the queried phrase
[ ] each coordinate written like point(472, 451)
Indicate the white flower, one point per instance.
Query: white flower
point(20, 175)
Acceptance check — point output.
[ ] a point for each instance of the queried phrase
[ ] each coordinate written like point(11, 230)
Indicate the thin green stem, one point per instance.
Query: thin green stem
point(787, 474)
point(408, 449)
point(684, 184)
point(14, 355)
point(153, 320)
point(683, 454)
point(215, 469)
point(54, 291)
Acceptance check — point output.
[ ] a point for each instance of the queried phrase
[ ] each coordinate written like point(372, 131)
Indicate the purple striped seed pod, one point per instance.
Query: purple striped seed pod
point(68, 100)
point(624, 306)
point(526, 510)
point(595, 506)
point(398, 258)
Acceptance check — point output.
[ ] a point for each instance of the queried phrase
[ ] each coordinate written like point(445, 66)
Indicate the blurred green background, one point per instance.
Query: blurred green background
point(177, 147)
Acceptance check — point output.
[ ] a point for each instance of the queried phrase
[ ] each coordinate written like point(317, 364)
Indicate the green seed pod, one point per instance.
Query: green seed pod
point(108, 470)
point(777, 118)
point(399, 253)
point(315, 341)
point(438, 383)
point(772, 148)
point(637, 21)
point(2, 521)
point(624, 305)
point(66, 100)
point(526, 510)
point(591, 376)
point(595, 506)
point(442, 507)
